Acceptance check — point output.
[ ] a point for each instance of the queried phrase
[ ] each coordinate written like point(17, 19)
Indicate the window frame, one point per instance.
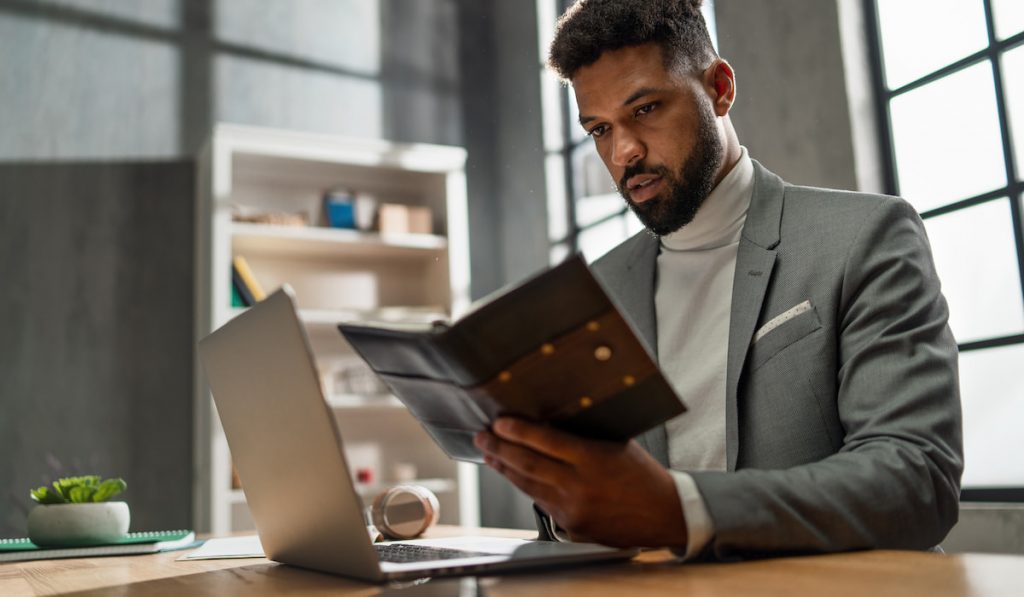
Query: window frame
point(565, 151)
point(1013, 191)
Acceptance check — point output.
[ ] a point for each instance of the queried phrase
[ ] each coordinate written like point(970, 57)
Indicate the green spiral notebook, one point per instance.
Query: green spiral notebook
point(17, 550)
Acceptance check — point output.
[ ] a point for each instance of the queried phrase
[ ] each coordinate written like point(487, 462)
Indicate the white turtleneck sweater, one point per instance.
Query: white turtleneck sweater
point(693, 301)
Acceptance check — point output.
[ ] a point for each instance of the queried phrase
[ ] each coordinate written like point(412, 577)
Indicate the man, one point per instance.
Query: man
point(803, 327)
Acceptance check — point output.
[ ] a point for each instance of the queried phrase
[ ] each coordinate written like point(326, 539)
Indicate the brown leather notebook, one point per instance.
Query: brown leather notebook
point(554, 349)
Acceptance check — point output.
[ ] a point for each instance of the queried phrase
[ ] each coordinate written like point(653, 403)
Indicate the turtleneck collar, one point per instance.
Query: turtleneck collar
point(719, 221)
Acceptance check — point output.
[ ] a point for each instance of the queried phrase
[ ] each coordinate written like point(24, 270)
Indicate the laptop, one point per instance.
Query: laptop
point(288, 454)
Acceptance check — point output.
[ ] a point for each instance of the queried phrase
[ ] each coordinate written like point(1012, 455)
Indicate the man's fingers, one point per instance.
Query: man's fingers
point(523, 460)
point(552, 442)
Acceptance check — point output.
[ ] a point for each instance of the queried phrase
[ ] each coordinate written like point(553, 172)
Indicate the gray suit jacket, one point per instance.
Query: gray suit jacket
point(843, 425)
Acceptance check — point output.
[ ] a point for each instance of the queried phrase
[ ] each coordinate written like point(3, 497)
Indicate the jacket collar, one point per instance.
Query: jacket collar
point(764, 219)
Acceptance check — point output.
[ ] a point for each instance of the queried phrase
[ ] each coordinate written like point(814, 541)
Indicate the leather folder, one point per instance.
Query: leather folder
point(553, 349)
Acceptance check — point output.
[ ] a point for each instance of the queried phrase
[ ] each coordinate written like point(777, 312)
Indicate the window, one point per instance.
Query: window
point(585, 212)
point(950, 84)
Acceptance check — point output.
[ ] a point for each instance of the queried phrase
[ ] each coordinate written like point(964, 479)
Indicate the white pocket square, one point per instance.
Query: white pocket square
point(781, 319)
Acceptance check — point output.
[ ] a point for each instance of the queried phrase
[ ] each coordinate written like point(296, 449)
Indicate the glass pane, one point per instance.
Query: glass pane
point(345, 35)
point(633, 225)
point(558, 208)
point(166, 14)
point(576, 132)
point(597, 207)
point(596, 195)
point(551, 90)
point(547, 15)
point(912, 48)
point(1009, 17)
point(1013, 84)
point(590, 176)
point(708, 10)
point(947, 141)
point(976, 258)
point(558, 253)
point(992, 394)
point(600, 239)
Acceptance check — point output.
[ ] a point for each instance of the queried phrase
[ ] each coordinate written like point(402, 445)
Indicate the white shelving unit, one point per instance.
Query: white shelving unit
point(338, 275)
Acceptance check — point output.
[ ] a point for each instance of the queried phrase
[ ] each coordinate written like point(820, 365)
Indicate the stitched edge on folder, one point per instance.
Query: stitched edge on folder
point(781, 319)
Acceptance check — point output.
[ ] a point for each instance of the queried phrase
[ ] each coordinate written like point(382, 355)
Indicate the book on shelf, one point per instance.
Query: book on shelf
point(18, 550)
point(553, 349)
point(238, 286)
point(236, 296)
point(244, 282)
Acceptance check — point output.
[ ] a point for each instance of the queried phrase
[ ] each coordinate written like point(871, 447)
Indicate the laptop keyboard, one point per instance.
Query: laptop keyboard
point(400, 553)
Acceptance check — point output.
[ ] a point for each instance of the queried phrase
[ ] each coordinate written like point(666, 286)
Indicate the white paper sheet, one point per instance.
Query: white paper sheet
point(248, 546)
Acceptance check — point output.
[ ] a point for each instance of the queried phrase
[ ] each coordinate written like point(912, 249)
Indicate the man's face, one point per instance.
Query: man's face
point(656, 131)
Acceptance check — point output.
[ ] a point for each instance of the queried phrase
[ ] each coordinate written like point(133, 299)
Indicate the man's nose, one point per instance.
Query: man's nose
point(627, 149)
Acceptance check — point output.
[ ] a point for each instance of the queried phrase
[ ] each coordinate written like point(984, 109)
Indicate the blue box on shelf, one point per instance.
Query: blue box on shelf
point(340, 209)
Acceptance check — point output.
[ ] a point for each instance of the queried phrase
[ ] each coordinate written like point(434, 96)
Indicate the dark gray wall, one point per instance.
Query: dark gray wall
point(96, 313)
point(501, 77)
point(791, 109)
point(117, 79)
point(987, 528)
point(420, 72)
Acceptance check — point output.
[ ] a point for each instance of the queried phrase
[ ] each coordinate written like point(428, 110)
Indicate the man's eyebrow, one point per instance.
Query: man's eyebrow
point(639, 93)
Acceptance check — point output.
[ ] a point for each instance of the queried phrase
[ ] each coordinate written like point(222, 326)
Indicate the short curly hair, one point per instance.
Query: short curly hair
point(591, 27)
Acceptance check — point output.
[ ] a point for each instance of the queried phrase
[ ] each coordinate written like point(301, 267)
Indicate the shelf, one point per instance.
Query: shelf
point(348, 401)
point(256, 146)
point(435, 485)
point(338, 275)
point(332, 243)
point(332, 317)
point(237, 496)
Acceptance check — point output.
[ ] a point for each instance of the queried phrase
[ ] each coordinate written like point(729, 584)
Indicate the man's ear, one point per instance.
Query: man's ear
point(720, 84)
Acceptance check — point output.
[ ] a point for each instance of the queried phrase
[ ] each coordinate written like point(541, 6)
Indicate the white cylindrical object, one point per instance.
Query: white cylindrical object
point(78, 524)
point(405, 511)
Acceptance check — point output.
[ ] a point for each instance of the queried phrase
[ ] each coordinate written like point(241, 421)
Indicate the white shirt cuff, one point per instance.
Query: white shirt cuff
point(699, 527)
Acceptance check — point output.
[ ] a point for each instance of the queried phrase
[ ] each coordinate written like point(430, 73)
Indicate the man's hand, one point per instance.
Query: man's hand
point(610, 493)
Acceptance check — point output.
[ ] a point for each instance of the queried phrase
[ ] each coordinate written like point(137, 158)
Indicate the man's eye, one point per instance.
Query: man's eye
point(597, 131)
point(645, 109)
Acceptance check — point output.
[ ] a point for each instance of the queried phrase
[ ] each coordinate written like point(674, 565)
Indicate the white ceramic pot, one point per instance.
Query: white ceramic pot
point(78, 524)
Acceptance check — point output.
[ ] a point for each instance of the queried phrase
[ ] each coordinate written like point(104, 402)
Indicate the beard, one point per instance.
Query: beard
point(686, 188)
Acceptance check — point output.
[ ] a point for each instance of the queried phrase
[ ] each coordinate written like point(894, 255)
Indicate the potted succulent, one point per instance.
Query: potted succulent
point(77, 511)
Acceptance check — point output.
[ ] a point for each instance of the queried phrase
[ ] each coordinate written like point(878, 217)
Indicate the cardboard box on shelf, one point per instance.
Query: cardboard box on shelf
point(396, 218)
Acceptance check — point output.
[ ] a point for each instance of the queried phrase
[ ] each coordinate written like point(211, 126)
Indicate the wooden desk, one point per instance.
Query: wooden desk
point(874, 573)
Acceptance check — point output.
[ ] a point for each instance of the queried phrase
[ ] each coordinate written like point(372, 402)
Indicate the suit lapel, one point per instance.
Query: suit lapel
point(634, 294)
point(643, 267)
point(755, 262)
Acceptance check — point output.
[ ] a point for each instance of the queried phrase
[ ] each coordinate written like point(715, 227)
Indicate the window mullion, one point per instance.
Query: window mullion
point(1008, 152)
point(881, 95)
point(570, 181)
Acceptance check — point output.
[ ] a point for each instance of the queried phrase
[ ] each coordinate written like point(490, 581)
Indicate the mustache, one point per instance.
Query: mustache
point(640, 168)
